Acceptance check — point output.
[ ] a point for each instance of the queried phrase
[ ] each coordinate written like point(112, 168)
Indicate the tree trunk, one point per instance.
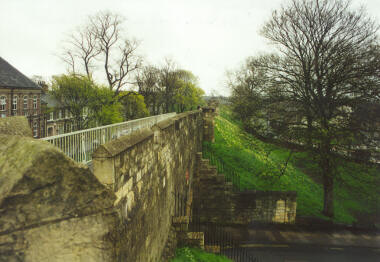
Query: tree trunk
point(309, 131)
point(328, 195)
point(328, 179)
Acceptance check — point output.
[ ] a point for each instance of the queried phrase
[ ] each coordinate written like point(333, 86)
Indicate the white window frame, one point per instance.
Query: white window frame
point(60, 114)
point(26, 102)
point(35, 129)
point(61, 129)
point(51, 116)
point(34, 102)
point(14, 102)
point(3, 103)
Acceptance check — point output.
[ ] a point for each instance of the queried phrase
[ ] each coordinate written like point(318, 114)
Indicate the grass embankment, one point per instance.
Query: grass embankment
point(260, 165)
point(186, 254)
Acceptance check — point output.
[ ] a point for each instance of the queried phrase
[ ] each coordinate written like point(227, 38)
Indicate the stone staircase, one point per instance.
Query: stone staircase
point(213, 206)
point(170, 246)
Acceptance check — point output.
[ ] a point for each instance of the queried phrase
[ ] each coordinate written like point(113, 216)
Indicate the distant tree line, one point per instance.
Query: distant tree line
point(131, 88)
point(321, 89)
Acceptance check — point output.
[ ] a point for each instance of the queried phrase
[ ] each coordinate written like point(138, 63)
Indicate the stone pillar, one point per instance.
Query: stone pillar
point(208, 123)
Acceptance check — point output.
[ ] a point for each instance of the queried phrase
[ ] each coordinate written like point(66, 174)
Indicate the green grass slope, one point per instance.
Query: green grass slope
point(186, 254)
point(261, 166)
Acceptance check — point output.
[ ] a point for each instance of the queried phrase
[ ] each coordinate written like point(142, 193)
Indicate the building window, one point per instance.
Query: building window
point(51, 117)
point(60, 114)
point(50, 131)
point(14, 103)
point(34, 102)
point(35, 129)
point(3, 103)
point(25, 102)
point(60, 129)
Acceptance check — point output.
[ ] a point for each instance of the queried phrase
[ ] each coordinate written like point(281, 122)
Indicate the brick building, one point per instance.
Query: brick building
point(20, 96)
point(59, 120)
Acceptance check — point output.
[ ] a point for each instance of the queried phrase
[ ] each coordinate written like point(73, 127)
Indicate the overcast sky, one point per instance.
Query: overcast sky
point(206, 37)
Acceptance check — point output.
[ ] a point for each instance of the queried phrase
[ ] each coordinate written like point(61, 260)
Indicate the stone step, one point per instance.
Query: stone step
point(194, 239)
point(212, 249)
point(208, 168)
point(180, 223)
point(206, 174)
point(205, 162)
point(228, 186)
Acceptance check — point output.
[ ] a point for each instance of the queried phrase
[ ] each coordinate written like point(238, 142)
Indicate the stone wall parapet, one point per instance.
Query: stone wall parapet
point(144, 169)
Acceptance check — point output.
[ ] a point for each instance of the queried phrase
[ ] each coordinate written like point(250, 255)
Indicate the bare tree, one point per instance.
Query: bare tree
point(149, 86)
point(328, 64)
point(69, 58)
point(101, 43)
point(168, 82)
point(84, 48)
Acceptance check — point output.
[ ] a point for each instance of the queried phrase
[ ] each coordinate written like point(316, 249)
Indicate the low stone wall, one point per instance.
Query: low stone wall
point(226, 206)
point(265, 207)
point(144, 170)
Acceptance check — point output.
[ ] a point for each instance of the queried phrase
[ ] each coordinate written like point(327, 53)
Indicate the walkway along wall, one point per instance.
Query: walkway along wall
point(144, 170)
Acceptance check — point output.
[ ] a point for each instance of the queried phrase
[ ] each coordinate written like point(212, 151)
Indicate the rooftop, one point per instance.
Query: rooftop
point(10, 77)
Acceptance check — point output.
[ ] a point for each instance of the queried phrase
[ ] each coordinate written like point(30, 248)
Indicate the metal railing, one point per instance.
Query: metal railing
point(216, 238)
point(230, 175)
point(220, 241)
point(80, 145)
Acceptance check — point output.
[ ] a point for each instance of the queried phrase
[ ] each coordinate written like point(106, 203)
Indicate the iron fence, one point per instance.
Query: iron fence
point(218, 240)
point(80, 145)
point(230, 175)
point(180, 204)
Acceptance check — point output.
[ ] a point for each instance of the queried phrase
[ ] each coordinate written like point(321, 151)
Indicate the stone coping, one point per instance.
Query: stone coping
point(266, 193)
point(121, 144)
point(163, 124)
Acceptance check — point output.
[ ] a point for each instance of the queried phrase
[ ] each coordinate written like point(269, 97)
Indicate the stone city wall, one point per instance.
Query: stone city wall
point(53, 209)
point(144, 170)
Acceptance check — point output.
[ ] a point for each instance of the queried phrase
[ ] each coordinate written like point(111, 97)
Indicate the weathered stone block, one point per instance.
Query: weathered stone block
point(15, 126)
point(51, 207)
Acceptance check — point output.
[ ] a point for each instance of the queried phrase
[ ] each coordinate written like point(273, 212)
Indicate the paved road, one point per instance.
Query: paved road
point(312, 253)
point(293, 244)
point(317, 237)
